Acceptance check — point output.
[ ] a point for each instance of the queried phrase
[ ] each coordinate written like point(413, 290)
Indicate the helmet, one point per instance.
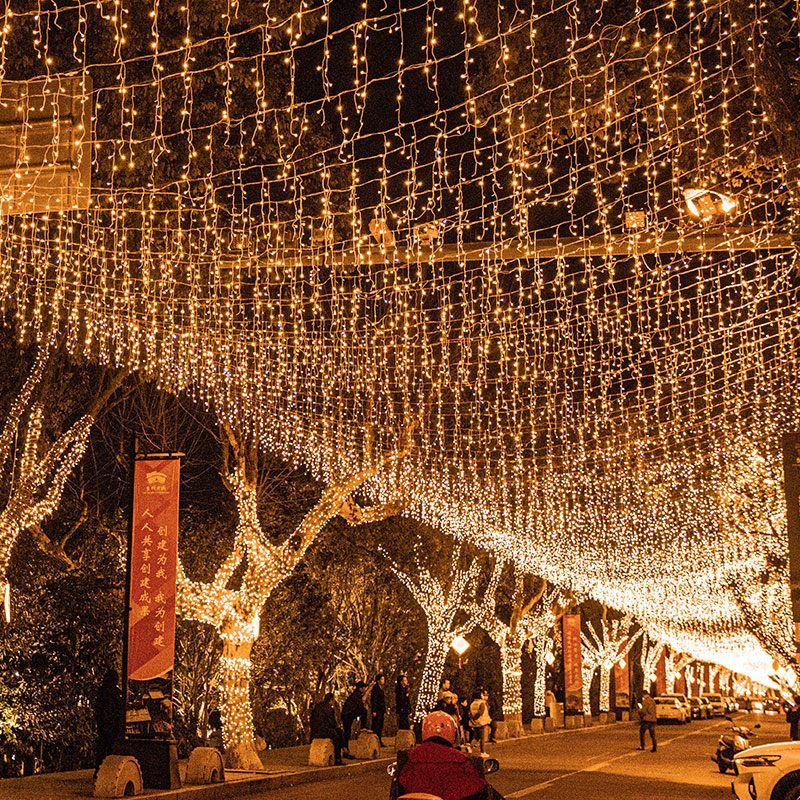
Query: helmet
point(439, 723)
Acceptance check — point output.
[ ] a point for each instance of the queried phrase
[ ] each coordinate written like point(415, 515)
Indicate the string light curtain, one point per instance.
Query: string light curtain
point(324, 219)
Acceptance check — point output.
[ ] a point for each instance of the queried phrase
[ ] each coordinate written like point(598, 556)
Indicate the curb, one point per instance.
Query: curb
point(246, 787)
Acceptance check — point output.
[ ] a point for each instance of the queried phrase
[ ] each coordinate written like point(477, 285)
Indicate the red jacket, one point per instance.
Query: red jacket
point(440, 770)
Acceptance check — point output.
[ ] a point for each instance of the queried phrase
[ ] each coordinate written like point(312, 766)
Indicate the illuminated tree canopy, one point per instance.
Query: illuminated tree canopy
point(557, 238)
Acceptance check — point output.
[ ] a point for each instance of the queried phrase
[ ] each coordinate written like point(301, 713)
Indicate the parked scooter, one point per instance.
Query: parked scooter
point(729, 744)
point(485, 765)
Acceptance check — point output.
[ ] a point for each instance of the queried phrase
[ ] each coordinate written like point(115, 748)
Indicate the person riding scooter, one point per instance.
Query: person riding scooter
point(437, 768)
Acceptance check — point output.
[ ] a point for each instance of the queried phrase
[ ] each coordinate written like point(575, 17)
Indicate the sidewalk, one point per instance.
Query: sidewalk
point(283, 767)
point(286, 766)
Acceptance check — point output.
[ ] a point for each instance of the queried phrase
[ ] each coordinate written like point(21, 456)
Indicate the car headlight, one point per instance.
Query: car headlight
point(758, 761)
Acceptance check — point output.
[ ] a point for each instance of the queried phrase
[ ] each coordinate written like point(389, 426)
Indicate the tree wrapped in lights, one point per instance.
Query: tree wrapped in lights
point(233, 600)
point(651, 652)
point(750, 489)
point(449, 608)
point(604, 643)
point(675, 663)
point(37, 468)
point(531, 611)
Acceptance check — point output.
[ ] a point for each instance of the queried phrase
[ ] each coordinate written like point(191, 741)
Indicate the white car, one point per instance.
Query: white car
point(668, 707)
point(684, 701)
point(768, 772)
point(716, 704)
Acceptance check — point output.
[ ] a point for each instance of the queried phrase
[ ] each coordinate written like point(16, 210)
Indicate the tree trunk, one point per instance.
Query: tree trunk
point(511, 660)
point(237, 711)
point(587, 673)
point(431, 674)
point(540, 683)
point(605, 688)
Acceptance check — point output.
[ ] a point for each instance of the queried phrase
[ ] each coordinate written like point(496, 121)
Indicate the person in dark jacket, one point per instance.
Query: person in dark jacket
point(793, 718)
point(647, 720)
point(377, 705)
point(323, 726)
point(354, 709)
point(437, 768)
point(108, 718)
point(402, 704)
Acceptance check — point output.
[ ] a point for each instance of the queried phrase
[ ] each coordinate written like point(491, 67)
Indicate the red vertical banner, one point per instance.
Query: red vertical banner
point(661, 672)
point(573, 679)
point(152, 581)
point(622, 684)
point(680, 683)
point(706, 687)
point(717, 689)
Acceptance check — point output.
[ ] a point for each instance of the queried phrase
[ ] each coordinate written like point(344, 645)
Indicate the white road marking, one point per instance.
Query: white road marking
point(529, 790)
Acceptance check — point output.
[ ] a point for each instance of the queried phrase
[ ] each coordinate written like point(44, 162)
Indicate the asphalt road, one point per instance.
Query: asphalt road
point(600, 763)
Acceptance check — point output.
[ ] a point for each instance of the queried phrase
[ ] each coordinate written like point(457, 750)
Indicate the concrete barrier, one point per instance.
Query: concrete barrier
point(404, 740)
point(321, 753)
point(205, 766)
point(572, 721)
point(118, 776)
point(537, 725)
point(365, 746)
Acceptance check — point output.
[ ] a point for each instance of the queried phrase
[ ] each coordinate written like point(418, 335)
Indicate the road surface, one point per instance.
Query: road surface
point(601, 763)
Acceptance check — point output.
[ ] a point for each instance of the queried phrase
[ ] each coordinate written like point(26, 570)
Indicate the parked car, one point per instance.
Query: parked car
point(669, 708)
point(772, 705)
point(768, 772)
point(684, 701)
point(715, 704)
point(742, 703)
point(696, 708)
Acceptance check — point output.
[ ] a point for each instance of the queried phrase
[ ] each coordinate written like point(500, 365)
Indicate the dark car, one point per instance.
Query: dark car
point(697, 708)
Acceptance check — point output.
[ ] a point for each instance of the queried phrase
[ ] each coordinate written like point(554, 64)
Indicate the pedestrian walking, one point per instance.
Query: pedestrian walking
point(108, 718)
point(647, 720)
point(377, 706)
point(402, 704)
point(354, 709)
point(793, 717)
point(479, 719)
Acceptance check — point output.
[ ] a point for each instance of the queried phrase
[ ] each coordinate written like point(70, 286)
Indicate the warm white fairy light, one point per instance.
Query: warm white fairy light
point(578, 406)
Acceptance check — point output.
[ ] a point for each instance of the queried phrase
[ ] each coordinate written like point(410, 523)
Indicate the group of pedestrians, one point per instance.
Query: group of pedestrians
point(473, 718)
point(323, 715)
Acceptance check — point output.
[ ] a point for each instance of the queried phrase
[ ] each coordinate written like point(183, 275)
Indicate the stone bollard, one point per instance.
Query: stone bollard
point(572, 721)
point(321, 753)
point(501, 730)
point(624, 716)
point(514, 726)
point(205, 766)
point(404, 740)
point(118, 776)
point(537, 725)
point(366, 745)
point(549, 724)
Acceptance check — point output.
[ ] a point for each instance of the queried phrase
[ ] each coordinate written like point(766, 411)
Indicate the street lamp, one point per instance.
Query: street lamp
point(460, 645)
point(707, 204)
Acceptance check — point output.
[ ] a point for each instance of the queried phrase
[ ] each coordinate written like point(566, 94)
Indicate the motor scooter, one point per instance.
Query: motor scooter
point(729, 744)
point(485, 766)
